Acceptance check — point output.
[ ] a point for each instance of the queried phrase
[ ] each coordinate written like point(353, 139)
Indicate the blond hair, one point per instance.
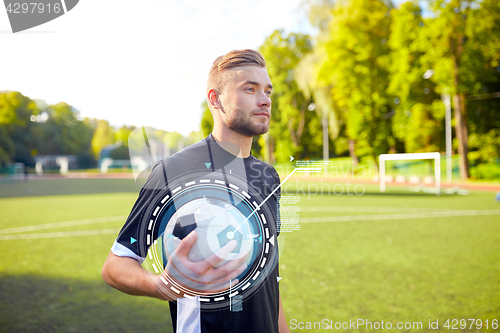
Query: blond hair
point(235, 58)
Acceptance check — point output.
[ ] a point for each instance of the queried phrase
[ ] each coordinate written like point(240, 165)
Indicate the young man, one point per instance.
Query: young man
point(238, 95)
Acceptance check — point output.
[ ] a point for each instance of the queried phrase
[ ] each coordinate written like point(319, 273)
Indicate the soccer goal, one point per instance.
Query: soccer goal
point(411, 156)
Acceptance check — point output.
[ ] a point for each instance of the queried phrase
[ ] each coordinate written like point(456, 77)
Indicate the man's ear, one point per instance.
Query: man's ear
point(213, 98)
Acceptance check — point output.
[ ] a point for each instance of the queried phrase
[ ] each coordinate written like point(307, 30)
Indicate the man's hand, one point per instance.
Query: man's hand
point(206, 276)
point(127, 274)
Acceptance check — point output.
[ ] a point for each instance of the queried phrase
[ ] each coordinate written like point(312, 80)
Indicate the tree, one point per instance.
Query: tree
point(31, 128)
point(123, 133)
point(320, 16)
point(290, 132)
point(6, 146)
point(173, 139)
point(320, 13)
point(194, 136)
point(17, 129)
point(355, 60)
point(63, 133)
point(484, 123)
point(323, 104)
point(15, 108)
point(121, 136)
point(419, 111)
point(464, 46)
point(103, 136)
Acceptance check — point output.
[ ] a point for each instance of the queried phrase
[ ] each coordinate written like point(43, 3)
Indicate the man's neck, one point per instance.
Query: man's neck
point(227, 136)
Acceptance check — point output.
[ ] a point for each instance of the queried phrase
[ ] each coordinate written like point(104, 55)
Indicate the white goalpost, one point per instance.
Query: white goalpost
point(411, 156)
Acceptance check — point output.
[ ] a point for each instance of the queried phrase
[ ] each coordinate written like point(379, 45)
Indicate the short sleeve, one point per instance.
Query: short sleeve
point(126, 244)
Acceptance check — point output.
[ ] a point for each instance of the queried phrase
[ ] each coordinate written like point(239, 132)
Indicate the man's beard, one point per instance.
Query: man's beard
point(245, 127)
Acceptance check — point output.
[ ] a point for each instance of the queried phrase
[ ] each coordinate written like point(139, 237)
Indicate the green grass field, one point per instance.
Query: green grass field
point(397, 257)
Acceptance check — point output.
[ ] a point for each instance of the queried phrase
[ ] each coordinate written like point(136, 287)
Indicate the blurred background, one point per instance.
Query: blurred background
point(358, 79)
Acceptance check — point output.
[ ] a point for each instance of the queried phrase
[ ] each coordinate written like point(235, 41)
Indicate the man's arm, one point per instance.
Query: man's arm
point(283, 326)
point(127, 275)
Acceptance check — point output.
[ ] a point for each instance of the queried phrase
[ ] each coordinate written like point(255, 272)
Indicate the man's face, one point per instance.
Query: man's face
point(246, 102)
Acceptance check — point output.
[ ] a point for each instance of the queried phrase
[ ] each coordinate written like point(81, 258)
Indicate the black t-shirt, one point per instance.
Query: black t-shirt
point(258, 312)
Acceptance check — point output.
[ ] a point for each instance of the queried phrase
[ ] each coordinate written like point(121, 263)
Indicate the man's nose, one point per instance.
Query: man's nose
point(264, 101)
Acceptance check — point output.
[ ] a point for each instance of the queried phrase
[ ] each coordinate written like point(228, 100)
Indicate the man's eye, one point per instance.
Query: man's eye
point(249, 89)
point(268, 93)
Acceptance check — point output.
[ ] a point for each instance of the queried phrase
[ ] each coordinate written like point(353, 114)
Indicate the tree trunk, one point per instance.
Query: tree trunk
point(292, 132)
point(457, 47)
point(352, 153)
point(300, 128)
point(272, 158)
point(461, 132)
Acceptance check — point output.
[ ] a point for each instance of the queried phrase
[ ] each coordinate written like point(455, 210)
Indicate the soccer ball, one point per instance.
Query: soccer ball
point(216, 223)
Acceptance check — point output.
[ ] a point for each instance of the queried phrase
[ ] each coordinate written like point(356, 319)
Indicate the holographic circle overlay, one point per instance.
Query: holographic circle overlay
point(216, 223)
point(222, 209)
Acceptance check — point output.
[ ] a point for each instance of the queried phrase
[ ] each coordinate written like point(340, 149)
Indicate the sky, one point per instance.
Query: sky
point(142, 63)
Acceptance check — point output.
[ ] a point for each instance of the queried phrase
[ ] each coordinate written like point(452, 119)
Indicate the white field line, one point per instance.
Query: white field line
point(62, 224)
point(61, 234)
point(400, 216)
point(370, 209)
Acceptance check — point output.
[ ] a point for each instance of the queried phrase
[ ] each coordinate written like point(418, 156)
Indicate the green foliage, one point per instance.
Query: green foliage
point(419, 111)
point(420, 127)
point(341, 146)
point(485, 147)
point(6, 147)
point(366, 70)
point(103, 136)
point(120, 153)
point(16, 109)
point(172, 138)
point(293, 129)
point(123, 133)
point(483, 115)
point(407, 45)
point(63, 133)
point(466, 32)
point(16, 130)
point(355, 60)
point(487, 171)
point(463, 49)
point(207, 121)
point(193, 137)
point(86, 160)
point(323, 102)
point(31, 128)
point(319, 12)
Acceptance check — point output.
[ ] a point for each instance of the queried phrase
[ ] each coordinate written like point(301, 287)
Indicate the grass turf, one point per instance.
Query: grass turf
point(397, 270)
point(407, 270)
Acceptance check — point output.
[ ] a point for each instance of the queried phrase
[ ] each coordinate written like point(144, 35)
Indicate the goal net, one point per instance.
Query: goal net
point(408, 176)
